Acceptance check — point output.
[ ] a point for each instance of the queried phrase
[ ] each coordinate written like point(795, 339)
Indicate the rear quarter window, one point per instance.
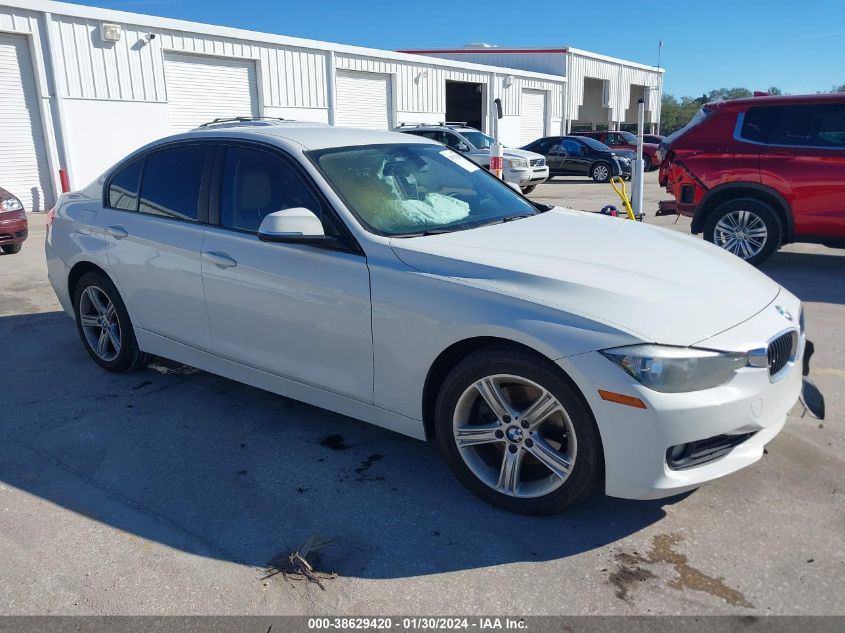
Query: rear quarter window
point(759, 123)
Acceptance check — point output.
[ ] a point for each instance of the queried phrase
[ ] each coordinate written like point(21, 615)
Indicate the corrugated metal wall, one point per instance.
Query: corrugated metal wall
point(619, 78)
point(132, 69)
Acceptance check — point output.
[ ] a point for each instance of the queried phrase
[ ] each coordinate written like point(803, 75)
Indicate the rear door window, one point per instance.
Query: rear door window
point(821, 125)
point(172, 180)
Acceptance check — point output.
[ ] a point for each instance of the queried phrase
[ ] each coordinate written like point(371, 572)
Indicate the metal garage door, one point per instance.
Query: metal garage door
point(201, 89)
point(23, 153)
point(363, 100)
point(533, 117)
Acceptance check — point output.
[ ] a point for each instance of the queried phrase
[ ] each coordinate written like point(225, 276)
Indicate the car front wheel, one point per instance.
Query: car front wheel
point(12, 249)
point(528, 189)
point(600, 172)
point(104, 325)
point(746, 227)
point(516, 433)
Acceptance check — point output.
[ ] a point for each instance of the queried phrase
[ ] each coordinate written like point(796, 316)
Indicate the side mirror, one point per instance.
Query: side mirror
point(291, 225)
point(463, 147)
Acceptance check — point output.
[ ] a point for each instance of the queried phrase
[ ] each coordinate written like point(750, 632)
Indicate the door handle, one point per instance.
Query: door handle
point(117, 232)
point(220, 259)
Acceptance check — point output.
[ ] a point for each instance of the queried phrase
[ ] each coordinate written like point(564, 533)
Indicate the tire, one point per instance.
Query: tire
point(528, 189)
point(12, 249)
point(96, 300)
point(600, 172)
point(647, 166)
point(757, 221)
point(567, 437)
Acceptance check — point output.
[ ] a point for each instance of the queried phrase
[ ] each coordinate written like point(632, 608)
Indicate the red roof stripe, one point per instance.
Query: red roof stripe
point(525, 51)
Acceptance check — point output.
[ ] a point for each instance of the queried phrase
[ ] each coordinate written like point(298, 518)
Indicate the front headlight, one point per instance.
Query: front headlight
point(677, 369)
point(11, 204)
point(517, 163)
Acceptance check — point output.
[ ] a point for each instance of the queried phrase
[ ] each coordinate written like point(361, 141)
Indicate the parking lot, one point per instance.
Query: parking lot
point(170, 491)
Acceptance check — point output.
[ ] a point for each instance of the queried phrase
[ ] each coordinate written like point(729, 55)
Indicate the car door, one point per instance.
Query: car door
point(153, 222)
point(547, 147)
point(805, 159)
point(295, 310)
point(576, 163)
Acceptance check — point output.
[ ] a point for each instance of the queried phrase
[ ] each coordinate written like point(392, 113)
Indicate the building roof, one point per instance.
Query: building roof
point(490, 50)
point(156, 22)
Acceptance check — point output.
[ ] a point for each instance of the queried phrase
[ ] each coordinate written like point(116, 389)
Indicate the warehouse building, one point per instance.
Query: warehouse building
point(84, 86)
point(601, 91)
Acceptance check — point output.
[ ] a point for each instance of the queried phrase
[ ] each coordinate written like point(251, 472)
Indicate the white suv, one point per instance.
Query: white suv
point(388, 278)
point(522, 168)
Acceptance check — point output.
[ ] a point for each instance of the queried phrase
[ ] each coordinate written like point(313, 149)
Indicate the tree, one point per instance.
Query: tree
point(729, 93)
point(838, 88)
point(775, 91)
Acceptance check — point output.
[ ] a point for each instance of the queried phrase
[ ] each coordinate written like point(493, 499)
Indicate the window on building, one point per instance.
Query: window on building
point(255, 183)
point(171, 182)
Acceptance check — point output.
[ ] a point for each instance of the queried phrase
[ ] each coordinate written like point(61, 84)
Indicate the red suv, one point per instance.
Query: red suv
point(13, 224)
point(757, 173)
point(626, 140)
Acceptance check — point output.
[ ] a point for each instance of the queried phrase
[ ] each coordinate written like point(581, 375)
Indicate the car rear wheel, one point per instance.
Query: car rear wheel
point(104, 325)
point(528, 189)
point(600, 172)
point(746, 227)
point(647, 165)
point(516, 433)
point(12, 249)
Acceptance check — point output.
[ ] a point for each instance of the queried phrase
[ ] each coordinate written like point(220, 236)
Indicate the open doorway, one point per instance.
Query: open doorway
point(465, 103)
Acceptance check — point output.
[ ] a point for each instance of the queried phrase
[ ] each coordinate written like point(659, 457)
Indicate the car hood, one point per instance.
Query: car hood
point(520, 153)
point(657, 284)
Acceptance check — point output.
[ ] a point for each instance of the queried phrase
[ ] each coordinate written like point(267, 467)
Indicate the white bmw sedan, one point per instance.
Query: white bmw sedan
point(387, 278)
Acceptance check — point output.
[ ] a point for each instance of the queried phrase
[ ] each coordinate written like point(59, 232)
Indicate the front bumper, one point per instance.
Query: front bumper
point(14, 228)
point(527, 176)
point(636, 441)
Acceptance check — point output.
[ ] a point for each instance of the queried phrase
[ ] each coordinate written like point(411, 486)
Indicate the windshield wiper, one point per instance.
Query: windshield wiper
point(519, 216)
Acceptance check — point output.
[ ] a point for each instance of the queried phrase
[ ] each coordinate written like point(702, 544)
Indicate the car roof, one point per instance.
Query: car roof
point(836, 97)
point(311, 136)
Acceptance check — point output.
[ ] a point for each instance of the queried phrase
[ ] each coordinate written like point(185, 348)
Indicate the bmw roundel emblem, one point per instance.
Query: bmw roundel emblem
point(784, 312)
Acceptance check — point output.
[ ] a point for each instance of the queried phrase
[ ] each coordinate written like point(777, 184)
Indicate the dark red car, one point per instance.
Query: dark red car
point(625, 140)
point(761, 172)
point(13, 224)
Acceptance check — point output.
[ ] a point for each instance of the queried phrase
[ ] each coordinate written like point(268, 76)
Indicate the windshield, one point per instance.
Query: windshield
point(479, 139)
point(629, 138)
point(594, 144)
point(413, 189)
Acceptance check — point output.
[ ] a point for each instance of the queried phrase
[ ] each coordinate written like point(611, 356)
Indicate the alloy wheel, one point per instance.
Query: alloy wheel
point(100, 324)
point(743, 233)
point(600, 173)
point(515, 436)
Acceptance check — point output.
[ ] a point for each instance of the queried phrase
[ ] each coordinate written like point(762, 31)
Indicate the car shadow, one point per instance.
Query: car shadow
point(815, 277)
point(219, 469)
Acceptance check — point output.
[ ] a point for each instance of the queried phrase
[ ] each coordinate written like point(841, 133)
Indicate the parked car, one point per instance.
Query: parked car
point(654, 139)
point(13, 224)
point(385, 277)
point(761, 172)
point(626, 140)
point(581, 156)
point(525, 169)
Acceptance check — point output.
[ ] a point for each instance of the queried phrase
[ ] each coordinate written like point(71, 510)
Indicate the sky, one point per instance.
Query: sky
point(797, 46)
